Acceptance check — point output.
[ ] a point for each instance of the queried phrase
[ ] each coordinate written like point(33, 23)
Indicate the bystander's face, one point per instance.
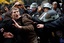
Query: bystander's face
point(6, 9)
point(54, 5)
point(15, 14)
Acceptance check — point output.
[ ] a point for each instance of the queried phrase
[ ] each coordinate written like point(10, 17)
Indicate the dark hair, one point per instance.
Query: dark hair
point(14, 8)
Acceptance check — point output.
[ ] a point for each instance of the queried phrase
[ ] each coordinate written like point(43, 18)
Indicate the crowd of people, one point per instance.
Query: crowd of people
point(33, 23)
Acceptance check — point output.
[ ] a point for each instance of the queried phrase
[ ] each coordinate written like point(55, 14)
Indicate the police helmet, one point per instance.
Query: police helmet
point(33, 5)
point(47, 5)
point(48, 16)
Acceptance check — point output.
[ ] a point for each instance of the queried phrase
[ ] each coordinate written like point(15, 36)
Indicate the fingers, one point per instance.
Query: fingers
point(37, 26)
point(8, 35)
point(14, 25)
point(14, 21)
point(40, 26)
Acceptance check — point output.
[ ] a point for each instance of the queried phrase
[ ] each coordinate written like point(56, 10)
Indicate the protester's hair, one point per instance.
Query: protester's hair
point(14, 8)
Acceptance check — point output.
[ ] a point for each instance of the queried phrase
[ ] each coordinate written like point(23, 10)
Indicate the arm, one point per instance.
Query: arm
point(26, 20)
point(27, 23)
point(59, 23)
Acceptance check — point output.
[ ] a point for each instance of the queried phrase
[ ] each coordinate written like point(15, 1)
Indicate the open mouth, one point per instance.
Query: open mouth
point(16, 15)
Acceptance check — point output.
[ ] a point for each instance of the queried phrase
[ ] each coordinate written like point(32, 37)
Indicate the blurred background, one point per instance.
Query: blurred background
point(27, 1)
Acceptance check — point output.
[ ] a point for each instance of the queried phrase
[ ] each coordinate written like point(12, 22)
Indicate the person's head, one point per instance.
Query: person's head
point(33, 6)
point(6, 8)
point(46, 7)
point(54, 4)
point(49, 16)
point(27, 7)
point(15, 14)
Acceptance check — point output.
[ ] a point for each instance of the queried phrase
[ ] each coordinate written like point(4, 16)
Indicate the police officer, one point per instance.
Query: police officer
point(33, 12)
point(55, 26)
point(46, 17)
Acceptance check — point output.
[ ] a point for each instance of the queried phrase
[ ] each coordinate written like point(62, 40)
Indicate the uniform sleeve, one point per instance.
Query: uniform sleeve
point(59, 23)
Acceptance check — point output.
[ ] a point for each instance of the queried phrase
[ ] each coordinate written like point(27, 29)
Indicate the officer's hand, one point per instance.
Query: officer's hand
point(8, 35)
point(40, 26)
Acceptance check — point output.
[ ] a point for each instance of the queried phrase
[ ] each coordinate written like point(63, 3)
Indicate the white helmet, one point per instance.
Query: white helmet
point(47, 5)
point(48, 16)
point(33, 5)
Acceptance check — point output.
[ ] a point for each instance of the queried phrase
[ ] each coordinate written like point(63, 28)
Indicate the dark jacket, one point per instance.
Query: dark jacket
point(57, 24)
point(24, 35)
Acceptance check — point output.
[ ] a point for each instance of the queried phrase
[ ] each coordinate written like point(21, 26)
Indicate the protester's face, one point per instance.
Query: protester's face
point(15, 14)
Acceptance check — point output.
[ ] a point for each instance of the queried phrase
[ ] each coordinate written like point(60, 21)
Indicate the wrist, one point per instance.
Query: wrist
point(20, 27)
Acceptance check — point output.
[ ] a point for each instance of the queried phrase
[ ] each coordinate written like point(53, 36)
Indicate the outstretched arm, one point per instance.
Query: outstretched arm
point(59, 23)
